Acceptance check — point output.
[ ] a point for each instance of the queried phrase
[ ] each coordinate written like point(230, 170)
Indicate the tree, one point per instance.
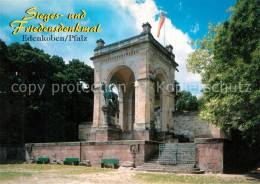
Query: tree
point(201, 60)
point(228, 61)
point(45, 117)
point(186, 101)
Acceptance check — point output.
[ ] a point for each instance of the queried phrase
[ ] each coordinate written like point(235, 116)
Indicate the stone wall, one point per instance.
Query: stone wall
point(93, 151)
point(210, 154)
point(84, 130)
point(191, 126)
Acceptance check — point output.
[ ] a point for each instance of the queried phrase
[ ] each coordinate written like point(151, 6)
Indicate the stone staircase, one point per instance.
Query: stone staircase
point(154, 165)
point(170, 137)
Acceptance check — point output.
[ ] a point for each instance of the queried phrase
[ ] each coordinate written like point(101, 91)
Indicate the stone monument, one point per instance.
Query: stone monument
point(136, 66)
point(132, 124)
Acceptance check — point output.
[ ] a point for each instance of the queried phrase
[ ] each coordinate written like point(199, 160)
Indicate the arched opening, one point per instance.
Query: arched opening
point(158, 102)
point(123, 77)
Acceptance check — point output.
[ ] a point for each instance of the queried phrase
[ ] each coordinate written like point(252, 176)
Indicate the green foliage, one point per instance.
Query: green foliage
point(228, 61)
point(202, 58)
point(45, 117)
point(185, 101)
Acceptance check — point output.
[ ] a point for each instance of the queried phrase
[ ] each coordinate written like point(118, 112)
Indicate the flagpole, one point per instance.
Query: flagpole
point(164, 32)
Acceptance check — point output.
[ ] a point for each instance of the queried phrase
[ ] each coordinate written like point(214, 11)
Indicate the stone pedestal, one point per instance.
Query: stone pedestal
point(109, 130)
point(110, 117)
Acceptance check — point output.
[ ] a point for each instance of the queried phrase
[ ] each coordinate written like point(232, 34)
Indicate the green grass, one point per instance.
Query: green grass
point(55, 169)
point(10, 175)
point(16, 171)
point(173, 178)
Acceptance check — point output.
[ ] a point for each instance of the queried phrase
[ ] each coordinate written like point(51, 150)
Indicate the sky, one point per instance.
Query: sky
point(186, 20)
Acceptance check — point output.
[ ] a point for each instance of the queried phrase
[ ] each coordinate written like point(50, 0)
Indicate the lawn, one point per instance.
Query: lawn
point(10, 175)
point(57, 169)
point(173, 178)
point(59, 174)
point(15, 171)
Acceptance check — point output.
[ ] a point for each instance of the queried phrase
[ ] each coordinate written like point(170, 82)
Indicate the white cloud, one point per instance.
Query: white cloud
point(4, 34)
point(146, 12)
point(19, 7)
point(14, 7)
point(180, 6)
point(195, 28)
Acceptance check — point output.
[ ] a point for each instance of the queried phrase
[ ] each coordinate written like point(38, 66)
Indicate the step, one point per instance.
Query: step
point(154, 170)
point(187, 167)
point(170, 171)
point(154, 160)
point(196, 169)
point(182, 168)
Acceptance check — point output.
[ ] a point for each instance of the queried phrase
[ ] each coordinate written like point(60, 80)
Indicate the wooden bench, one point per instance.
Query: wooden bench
point(109, 161)
point(43, 160)
point(72, 161)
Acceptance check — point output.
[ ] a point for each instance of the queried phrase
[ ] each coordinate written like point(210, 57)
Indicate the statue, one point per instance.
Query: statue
point(157, 119)
point(111, 98)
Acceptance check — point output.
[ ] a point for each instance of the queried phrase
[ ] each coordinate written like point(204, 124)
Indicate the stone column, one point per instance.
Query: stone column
point(130, 113)
point(125, 111)
point(97, 113)
point(121, 111)
point(144, 104)
point(167, 108)
point(171, 107)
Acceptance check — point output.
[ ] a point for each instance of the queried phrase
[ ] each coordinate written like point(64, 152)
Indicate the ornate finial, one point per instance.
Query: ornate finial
point(146, 28)
point(100, 43)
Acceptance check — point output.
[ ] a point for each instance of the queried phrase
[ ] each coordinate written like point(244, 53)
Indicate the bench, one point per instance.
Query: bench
point(43, 160)
point(73, 161)
point(109, 161)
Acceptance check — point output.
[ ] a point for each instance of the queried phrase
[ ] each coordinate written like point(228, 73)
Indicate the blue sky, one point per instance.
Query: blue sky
point(186, 20)
point(185, 14)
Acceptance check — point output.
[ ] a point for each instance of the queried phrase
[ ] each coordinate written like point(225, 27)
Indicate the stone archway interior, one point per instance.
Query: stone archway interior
point(124, 79)
point(158, 102)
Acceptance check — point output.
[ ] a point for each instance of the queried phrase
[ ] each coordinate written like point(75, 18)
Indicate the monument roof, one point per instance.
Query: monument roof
point(129, 42)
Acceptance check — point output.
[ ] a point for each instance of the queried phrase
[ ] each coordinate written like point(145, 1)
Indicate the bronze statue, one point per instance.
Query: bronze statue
point(111, 98)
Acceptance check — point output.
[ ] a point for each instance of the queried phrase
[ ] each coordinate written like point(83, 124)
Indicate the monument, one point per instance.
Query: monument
point(137, 66)
point(133, 116)
point(109, 128)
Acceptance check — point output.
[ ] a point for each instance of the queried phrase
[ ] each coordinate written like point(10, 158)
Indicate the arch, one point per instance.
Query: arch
point(160, 108)
point(159, 72)
point(123, 76)
point(118, 68)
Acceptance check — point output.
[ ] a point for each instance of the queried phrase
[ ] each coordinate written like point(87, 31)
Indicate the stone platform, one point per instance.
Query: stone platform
point(135, 151)
point(209, 154)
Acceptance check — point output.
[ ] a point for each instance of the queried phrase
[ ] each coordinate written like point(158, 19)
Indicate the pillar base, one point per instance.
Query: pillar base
point(144, 126)
point(108, 134)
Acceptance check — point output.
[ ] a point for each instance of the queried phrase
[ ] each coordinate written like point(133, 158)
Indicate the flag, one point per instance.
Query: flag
point(161, 21)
